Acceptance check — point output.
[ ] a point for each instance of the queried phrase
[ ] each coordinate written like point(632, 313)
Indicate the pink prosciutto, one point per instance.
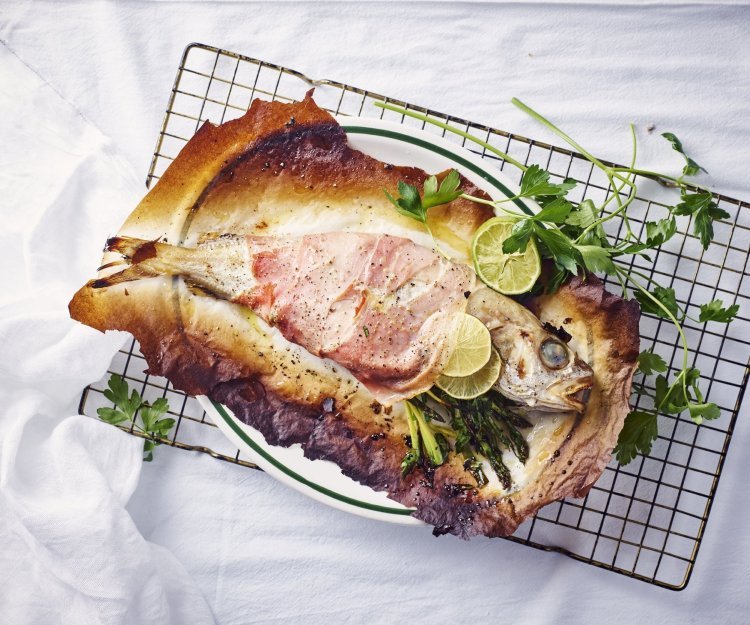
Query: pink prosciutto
point(381, 306)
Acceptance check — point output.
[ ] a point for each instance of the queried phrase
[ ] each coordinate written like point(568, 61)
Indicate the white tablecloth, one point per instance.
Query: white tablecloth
point(249, 548)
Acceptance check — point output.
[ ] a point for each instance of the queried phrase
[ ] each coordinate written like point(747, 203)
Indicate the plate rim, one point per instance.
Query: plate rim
point(239, 432)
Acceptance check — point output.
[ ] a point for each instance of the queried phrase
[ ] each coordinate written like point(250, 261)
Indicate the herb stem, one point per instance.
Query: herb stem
point(490, 148)
point(622, 206)
point(677, 183)
point(568, 139)
point(495, 204)
point(435, 241)
point(673, 319)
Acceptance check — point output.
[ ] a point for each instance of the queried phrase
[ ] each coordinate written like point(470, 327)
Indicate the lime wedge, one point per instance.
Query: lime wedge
point(509, 274)
point(471, 386)
point(473, 346)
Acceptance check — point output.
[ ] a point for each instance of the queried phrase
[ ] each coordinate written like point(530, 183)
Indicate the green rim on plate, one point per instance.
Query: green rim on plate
point(232, 423)
point(392, 134)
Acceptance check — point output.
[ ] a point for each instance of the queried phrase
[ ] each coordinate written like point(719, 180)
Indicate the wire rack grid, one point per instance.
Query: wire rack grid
point(645, 520)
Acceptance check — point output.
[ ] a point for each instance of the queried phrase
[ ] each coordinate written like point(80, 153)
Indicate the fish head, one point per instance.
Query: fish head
point(543, 372)
point(539, 369)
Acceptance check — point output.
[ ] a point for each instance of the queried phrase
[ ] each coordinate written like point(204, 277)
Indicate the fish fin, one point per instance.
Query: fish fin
point(136, 252)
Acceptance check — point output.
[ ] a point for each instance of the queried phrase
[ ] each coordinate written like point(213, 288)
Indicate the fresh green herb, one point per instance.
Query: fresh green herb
point(691, 167)
point(660, 301)
point(555, 212)
point(128, 406)
point(535, 183)
point(649, 362)
point(412, 204)
point(715, 311)
point(637, 435)
point(704, 211)
point(659, 232)
point(573, 238)
point(366, 331)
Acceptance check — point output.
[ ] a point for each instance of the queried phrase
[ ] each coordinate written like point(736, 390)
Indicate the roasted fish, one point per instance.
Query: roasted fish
point(286, 171)
point(381, 306)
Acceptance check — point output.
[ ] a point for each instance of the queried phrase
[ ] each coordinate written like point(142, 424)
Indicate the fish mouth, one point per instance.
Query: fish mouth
point(577, 393)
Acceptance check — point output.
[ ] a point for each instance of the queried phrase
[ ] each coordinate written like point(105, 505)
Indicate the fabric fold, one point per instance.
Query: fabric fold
point(71, 552)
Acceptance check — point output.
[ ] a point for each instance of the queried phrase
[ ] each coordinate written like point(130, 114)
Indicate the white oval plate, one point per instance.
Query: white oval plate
point(320, 479)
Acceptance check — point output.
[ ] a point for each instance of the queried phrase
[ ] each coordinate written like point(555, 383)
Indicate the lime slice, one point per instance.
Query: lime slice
point(473, 346)
point(509, 274)
point(471, 386)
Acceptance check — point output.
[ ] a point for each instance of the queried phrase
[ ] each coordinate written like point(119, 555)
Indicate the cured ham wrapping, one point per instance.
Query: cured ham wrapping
point(379, 305)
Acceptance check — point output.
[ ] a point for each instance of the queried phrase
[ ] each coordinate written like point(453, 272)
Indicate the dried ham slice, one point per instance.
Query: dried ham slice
point(381, 306)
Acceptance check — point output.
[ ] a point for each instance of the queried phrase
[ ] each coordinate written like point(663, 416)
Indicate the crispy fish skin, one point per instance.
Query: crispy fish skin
point(261, 175)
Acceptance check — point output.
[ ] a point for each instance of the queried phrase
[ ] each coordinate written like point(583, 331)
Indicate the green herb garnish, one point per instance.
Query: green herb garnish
point(414, 205)
point(129, 405)
point(691, 167)
point(572, 237)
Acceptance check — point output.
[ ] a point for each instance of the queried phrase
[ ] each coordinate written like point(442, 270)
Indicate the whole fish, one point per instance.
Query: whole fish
point(381, 306)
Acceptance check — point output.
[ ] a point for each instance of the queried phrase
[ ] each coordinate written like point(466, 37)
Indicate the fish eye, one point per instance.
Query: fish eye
point(554, 354)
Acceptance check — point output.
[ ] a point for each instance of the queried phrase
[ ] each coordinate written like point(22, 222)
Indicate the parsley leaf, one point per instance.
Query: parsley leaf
point(447, 192)
point(519, 237)
point(408, 203)
point(112, 415)
point(704, 210)
point(707, 411)
point(584, 215)
point(127, 404)
point(704, 223)
point(596, 258)
point(667, 298)
point(559, 247)
point(658, 232)
point(150, 415)
point(693, 202)
point(637, 436)
point(691, 167)
point(683, 394)
point(555, 212)
point(649, 362)
point(701, 412)
point(535, 183)
point(582, 218)
point(715, 311)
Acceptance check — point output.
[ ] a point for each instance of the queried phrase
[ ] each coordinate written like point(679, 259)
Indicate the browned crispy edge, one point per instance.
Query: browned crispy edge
point(613, 329)
point(371, 457)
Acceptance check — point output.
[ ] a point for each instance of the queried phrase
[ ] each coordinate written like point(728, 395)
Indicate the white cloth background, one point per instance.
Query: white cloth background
point(88, 534)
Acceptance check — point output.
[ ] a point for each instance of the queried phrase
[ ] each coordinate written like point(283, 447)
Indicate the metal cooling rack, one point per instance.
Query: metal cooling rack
point(645, 520)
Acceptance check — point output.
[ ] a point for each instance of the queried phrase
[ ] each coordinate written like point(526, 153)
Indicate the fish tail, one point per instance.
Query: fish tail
point(143, 259)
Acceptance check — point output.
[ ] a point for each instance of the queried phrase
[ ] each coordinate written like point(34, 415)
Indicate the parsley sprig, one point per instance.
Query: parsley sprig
point(414, 205)
point(573, 238)
point(129, 406)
